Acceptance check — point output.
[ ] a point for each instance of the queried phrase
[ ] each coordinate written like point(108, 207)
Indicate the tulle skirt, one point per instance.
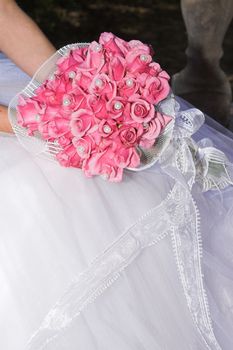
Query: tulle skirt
point(87, 264)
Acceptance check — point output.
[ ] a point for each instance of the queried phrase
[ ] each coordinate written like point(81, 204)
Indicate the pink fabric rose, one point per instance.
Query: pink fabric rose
point(117, 68)
point(116, 107)
point(107, 128)
point(153, 129)
point(65, 139)
point(82, 80)
point(141, 110)
point(128, 86)
point(94, 57)
point(84, 146)
point(29, 113)
point(101, 84)
point(81, 122)
point(54, 93)
point(69, 157)
point(156, 88)
point(80, 54)
point(138, 58)
point(113, 44)
point(127, 157)
point(54, 128)
point(103, 164)
point(98, 105)
point(129, 135)
point(66, 63)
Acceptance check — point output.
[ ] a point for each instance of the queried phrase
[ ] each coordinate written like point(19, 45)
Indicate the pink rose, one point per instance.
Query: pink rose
point(65, 139)
point(142, 78)
point(80, 101)
point(117, 68)
point(129, 135)
point(54, 128)
point(95, 57)
point(54, 92)
point(69, 157)
point(80, 54)
point(138, 59)
point(106, 128)
point(29, 113)
point(156, 88)
point(98, 105)
point(141, 111)
point(128, 86)
point(113, 44)
point(153, 129)
point(116, 107)
point(66, 63)
point(103, 164)
point(83, 80)
point(127, 157)
point(103, 85)
point(84, 146)
point(81, 122)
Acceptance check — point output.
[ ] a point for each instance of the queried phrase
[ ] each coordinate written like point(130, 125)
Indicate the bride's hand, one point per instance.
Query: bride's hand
point(5, 125)
point(21, 39)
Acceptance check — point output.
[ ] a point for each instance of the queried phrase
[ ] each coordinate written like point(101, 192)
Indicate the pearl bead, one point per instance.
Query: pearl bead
point(81, 149)
point(145, 125)
point(72, 74)
point(98, 82)
point(129, 82)
point(107, 129)
point(97, 48)
point(66, 102)
point(37, 117)
point(143, 58)
point(118, 105)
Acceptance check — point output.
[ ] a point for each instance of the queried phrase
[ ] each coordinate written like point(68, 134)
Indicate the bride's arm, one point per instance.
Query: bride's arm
point(23, 42)
point(21, 39)
point(4, 121)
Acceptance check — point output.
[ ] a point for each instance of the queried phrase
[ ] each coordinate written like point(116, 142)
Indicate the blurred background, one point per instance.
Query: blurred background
point(158, 22)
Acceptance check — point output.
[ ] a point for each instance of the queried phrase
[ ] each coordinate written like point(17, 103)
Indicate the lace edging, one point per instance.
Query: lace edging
point(178, 216)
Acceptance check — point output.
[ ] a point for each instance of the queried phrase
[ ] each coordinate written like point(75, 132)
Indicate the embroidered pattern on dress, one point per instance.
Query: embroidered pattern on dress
point(178, 217)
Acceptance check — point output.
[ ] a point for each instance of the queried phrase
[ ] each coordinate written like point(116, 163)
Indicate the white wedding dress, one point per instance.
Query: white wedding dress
point(87, 264)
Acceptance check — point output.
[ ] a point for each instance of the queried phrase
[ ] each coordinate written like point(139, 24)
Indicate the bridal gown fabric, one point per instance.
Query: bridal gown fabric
point(87, 264)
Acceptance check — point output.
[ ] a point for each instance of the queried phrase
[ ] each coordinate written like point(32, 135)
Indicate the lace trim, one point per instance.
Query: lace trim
point(187, 246)
point(179, 217)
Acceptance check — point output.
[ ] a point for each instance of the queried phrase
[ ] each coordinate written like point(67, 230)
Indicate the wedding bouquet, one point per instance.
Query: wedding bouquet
point(99, 106)
point(105, 107)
